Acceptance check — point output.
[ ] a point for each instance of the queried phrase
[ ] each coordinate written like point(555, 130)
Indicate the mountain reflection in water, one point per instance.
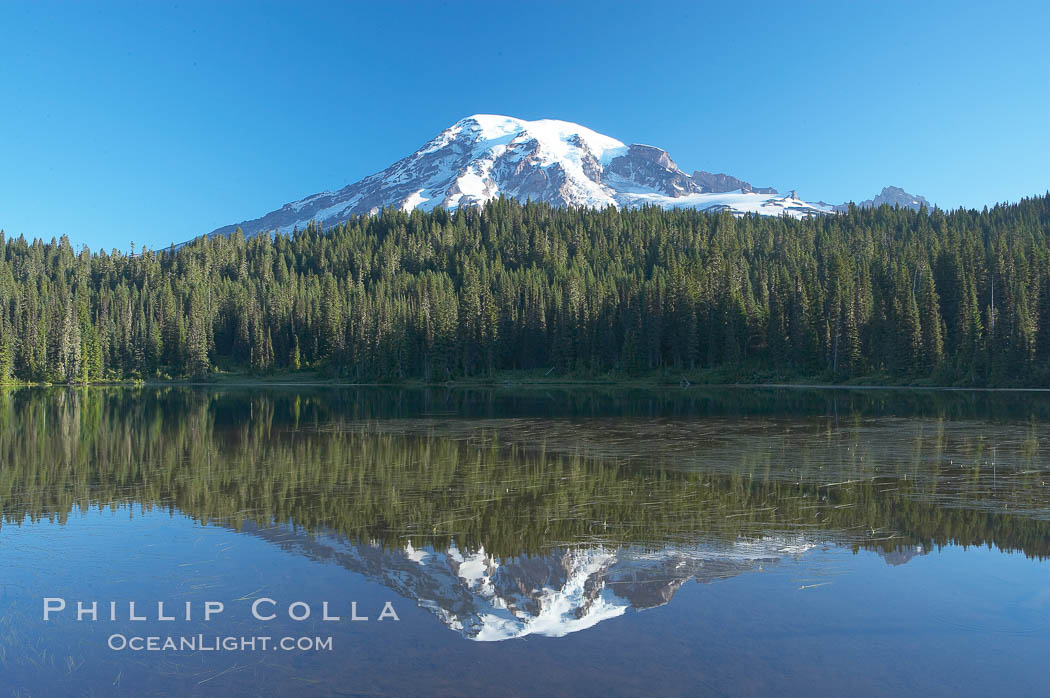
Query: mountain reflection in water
point(511, 514)
point(666, 541)
point(486, 598)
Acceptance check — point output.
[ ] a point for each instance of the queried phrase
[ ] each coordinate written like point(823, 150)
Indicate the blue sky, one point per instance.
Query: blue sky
point(153, 122)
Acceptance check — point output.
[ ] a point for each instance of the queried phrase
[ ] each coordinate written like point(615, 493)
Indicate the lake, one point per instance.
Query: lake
point(359, 541)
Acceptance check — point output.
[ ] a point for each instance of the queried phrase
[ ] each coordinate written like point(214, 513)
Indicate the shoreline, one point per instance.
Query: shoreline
point(240, 381)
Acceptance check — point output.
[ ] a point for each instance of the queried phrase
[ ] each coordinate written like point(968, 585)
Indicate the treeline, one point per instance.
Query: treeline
point(955, 298)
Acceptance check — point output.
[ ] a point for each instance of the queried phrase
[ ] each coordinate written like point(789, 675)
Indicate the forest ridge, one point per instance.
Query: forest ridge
point(891, 294)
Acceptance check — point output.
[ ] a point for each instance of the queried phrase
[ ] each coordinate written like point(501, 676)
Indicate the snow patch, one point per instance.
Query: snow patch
point(413, 201)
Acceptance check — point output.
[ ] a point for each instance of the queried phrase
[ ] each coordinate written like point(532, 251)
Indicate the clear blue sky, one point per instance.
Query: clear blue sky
point(154, 122)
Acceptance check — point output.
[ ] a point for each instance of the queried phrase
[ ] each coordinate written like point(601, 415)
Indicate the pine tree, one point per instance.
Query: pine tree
point(7, 359)
point(295, 361)
point(960, 297)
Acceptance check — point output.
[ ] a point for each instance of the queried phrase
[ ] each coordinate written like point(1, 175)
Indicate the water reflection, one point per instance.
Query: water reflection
point(767, 527)
point(378, 466)
point(486, 598)
point(509, 523)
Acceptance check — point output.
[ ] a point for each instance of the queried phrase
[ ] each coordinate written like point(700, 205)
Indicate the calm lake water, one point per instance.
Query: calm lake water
point(589, 542)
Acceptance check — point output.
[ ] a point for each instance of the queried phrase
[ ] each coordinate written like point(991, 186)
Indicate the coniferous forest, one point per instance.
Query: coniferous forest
point(891, 295)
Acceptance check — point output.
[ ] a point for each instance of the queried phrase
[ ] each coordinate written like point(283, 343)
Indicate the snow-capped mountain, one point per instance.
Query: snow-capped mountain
point(895, 196)
point(891, 196)
point(723, 183)
point(486, 598)
point(484, 156)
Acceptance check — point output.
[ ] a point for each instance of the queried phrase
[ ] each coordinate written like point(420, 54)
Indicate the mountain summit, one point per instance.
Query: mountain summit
point(895, 196)
point(484, 156)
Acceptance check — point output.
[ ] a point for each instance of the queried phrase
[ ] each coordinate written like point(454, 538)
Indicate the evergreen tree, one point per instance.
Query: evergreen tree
point(961, 297)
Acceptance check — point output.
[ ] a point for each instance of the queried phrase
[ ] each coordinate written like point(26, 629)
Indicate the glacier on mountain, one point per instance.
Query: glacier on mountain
point(561, 163)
